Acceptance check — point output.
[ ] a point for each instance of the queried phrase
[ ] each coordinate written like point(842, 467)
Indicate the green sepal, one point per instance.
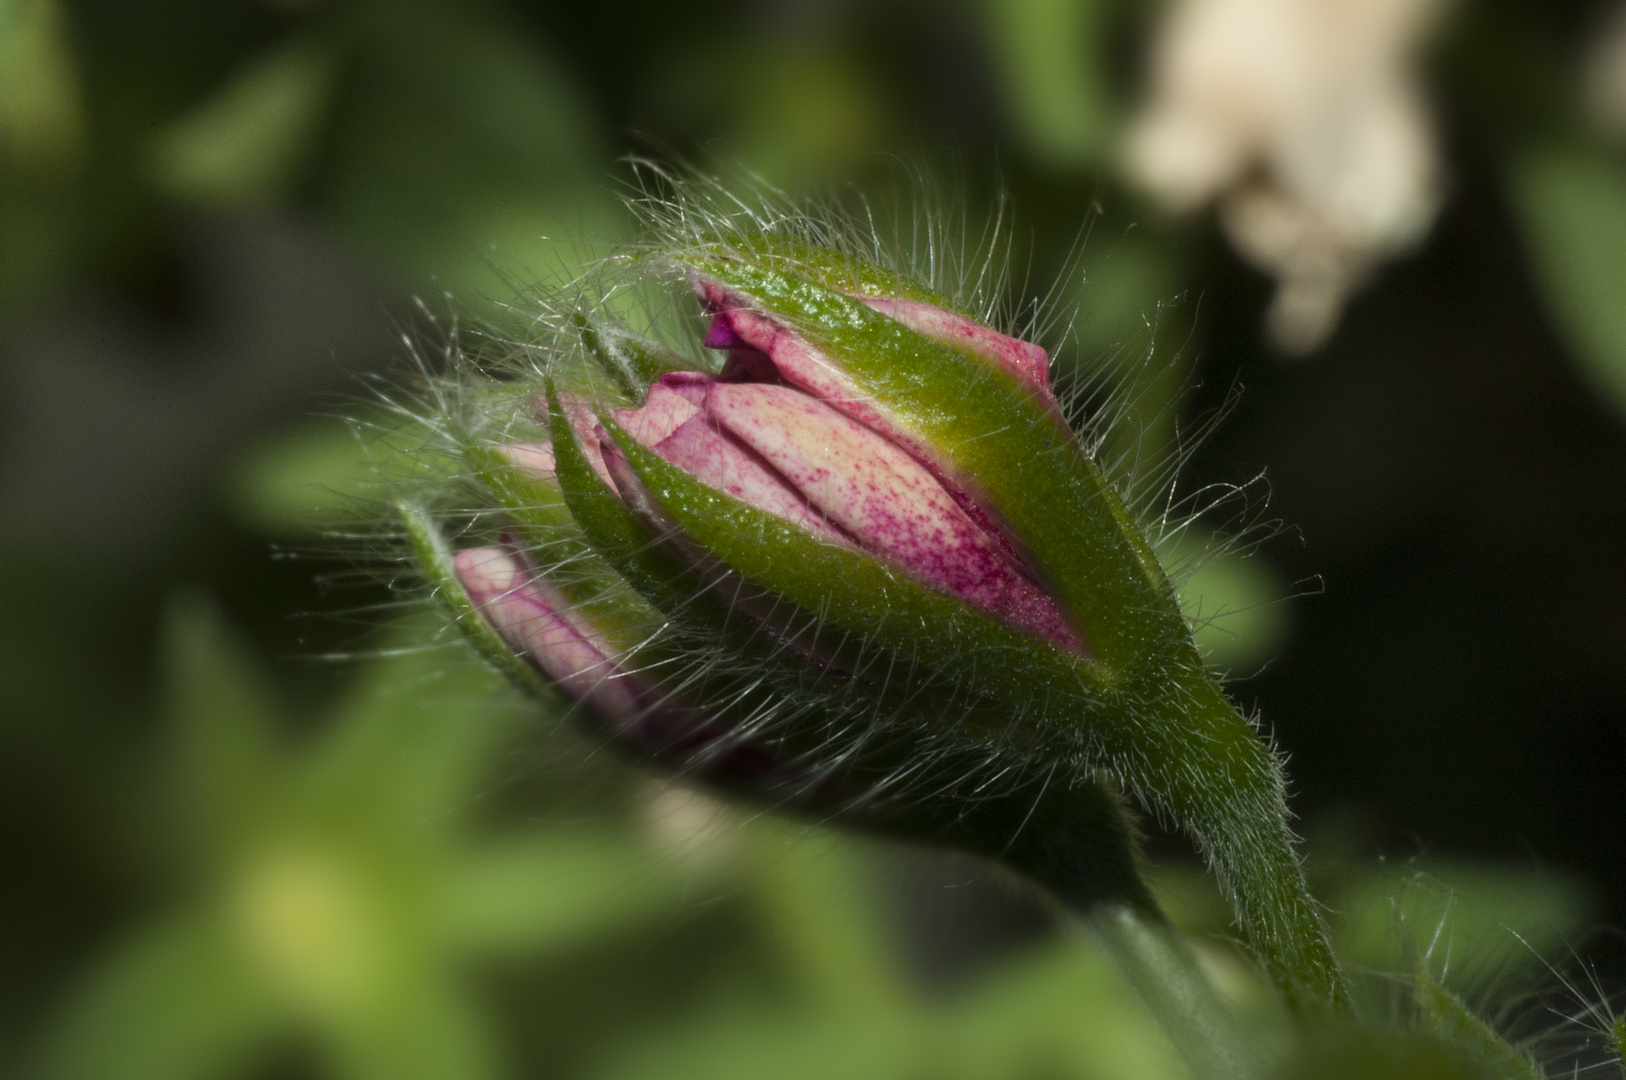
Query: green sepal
point(837, 270)
point(631, 360)
point(548, 532)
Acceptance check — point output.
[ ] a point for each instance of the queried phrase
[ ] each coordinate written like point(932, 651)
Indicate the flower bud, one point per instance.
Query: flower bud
point(863, 552)
point(537, 622)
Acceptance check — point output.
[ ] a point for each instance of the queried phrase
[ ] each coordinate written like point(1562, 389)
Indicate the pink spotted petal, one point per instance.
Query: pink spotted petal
point(889, 503)
point(673, 399)
point(719, 462)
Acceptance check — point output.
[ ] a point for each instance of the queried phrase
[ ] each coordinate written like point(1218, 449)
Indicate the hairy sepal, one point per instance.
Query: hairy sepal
point(634, 362)
point(542, 521)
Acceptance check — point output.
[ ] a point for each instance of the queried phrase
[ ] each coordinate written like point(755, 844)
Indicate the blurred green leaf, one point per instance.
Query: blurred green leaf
point(1063, 1011)
point(311, 476)
point(813, 888)
point(1051, 56)
point(177, 1002)
point(247, 145)
point(1572, 201)
point(1483, 921)
point(434, 1032)
point(1365, 1052)
point(344, 894)
point(561, 886)
point(1238, 603)
point(749, 1041)
point(225, 724)
point(42, 123)
point(331, 473)
point(1123, 286)
point(464, 158)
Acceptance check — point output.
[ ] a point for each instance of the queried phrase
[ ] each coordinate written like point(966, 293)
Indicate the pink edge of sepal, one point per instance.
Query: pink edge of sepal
point(1029, 363)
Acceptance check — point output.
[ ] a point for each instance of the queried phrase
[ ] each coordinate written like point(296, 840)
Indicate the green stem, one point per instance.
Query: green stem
point(1077, 841)
point(1247, 840)
point(1163, 972)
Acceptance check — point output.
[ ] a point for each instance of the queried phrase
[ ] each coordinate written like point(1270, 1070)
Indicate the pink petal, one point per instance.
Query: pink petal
point(721, 463)
point(885, 499)
point(664, 414)
point(535, 459)
point(721, 335)
point(541, 625)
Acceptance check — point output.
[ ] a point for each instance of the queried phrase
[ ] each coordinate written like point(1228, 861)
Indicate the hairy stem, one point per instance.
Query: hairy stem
point(1248, 842)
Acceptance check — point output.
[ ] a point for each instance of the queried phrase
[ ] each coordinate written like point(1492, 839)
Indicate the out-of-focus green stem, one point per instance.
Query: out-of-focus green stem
point(1452, 1020)
point(1078, 842)
point(1163, 972)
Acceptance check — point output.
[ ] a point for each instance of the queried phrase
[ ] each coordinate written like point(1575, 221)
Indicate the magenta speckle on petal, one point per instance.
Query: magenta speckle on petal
point(855, 464)
point(883, 498)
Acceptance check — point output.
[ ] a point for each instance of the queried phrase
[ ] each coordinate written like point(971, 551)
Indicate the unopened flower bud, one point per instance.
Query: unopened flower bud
point(848, 555)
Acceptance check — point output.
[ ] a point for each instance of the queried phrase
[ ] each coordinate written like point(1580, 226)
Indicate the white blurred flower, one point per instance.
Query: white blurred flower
point(1304, 121)
point(1606, 76)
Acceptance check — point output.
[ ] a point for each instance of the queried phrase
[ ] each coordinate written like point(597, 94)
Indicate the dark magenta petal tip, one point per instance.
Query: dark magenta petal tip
point(721, 334)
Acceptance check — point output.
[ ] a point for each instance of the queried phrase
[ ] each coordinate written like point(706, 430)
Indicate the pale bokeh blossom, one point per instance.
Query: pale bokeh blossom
point(1606, 76)
point(1304, 122)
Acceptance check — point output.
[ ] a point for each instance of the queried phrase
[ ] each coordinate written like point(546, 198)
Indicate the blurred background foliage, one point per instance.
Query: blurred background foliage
point(260, 818)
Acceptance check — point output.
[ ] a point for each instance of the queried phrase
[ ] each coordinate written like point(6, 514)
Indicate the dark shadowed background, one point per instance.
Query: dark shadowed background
point(251, 827)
